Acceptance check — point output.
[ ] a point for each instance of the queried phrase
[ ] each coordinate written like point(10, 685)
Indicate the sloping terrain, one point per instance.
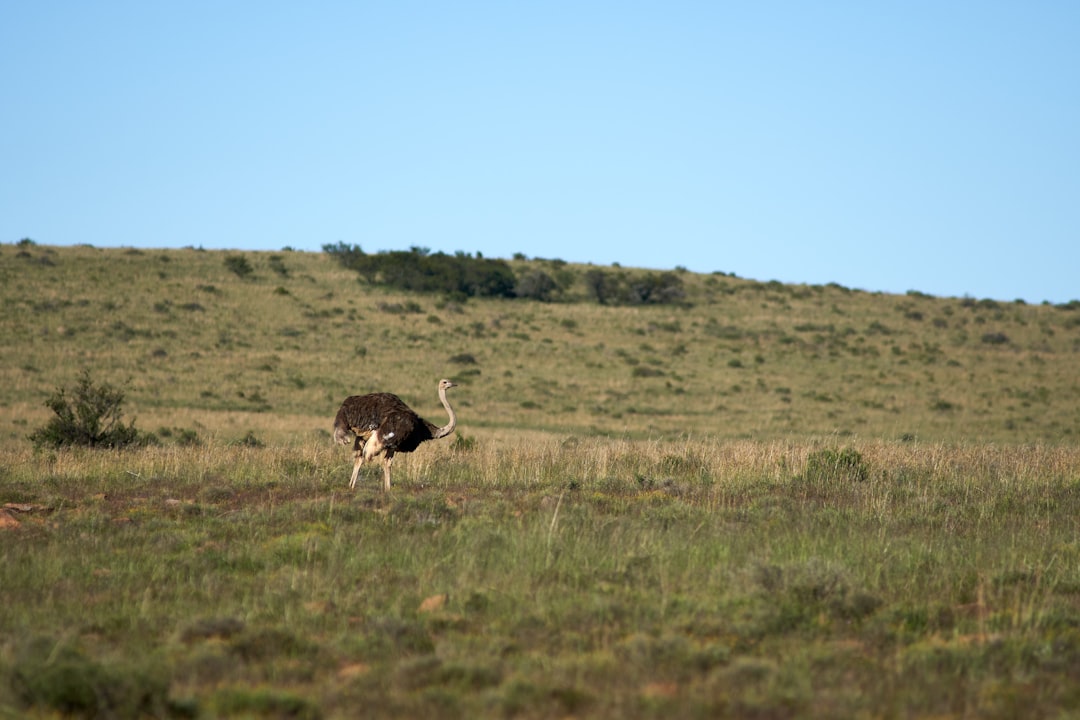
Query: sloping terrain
point(201, 348)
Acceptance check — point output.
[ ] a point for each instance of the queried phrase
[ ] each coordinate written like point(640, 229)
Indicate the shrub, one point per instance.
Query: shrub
point(238, 264)
point(349, 256)
point(536, 285)
point(464, 359)
point(277, 264)
point(186, 437)
point(841, 465)
point(462, 443)
point(617, 288)
point(250, 441)
point(408, 308)
point(51, 676)
point(418, 270)
point(602, 287)
point(90, 417)
point(656, 289)
point(262, 702)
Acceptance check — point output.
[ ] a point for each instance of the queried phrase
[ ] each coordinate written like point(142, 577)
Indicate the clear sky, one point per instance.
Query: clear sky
point(894, 146)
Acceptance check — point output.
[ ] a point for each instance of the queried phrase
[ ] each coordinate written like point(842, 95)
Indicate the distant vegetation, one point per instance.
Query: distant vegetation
point(419, 270)
point(620, 288)
point(463, 275)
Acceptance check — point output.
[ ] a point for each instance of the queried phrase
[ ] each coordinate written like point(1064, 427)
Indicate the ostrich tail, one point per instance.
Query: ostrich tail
point(341, 435)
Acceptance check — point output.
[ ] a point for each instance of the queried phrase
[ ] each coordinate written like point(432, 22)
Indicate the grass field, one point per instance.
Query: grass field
point(775, 502)
point(202, 349)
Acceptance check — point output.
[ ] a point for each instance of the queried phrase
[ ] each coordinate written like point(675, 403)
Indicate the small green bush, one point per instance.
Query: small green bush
point(464, 359)
point(836, 465)
point(90, 417)
point(463, 443)
point(262, 702)
point(408, 308)
point(995, 338)
point(51, 676)
point(239, 265)
point(277, 264)
point(249, 440)
point(536, 285)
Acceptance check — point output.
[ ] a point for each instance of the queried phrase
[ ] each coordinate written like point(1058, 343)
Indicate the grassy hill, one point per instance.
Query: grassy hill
point(765, 501)
point(203, 349)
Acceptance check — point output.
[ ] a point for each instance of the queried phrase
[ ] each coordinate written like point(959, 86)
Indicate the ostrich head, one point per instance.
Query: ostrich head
point(444, 384)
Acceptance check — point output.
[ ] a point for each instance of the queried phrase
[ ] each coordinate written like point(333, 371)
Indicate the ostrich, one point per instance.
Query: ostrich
point(382, 423)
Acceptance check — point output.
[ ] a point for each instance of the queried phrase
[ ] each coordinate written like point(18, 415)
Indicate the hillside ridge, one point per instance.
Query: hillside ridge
point(203, 348)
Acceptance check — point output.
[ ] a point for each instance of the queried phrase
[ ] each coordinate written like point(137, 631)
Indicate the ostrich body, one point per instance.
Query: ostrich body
point(382, 424)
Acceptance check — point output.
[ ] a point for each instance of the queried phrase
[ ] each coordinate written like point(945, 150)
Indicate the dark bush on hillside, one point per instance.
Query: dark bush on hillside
point(90, 417)
point(239, 265)
point(464, 359)
point(995, 338)
point(656, 288)
point(408, 308)
point(418, 270)
point(619, 288)
point(277, 264)
point(348, 256)
point(602, 286)
point(536, 285)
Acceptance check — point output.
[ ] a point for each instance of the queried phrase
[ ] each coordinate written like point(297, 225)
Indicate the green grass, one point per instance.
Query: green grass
point(199, 348)
point(778, 501)
point(602, 578)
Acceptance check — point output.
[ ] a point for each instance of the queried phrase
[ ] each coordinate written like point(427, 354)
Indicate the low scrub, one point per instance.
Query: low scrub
point(830, 465)
point(52, 676)
point(90, 415)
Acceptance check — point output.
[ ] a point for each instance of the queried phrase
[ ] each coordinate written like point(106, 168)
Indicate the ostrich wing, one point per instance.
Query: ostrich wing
point(364, 413)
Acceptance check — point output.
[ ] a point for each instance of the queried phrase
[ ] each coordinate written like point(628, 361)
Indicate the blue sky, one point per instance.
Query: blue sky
point(893, 146)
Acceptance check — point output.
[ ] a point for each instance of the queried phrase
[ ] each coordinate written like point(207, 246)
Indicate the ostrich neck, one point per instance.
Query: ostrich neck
point(448, 427)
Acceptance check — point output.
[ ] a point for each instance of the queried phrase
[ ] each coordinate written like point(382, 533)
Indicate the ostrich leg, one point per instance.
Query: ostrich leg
point(388, 460)
point(356, 469)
